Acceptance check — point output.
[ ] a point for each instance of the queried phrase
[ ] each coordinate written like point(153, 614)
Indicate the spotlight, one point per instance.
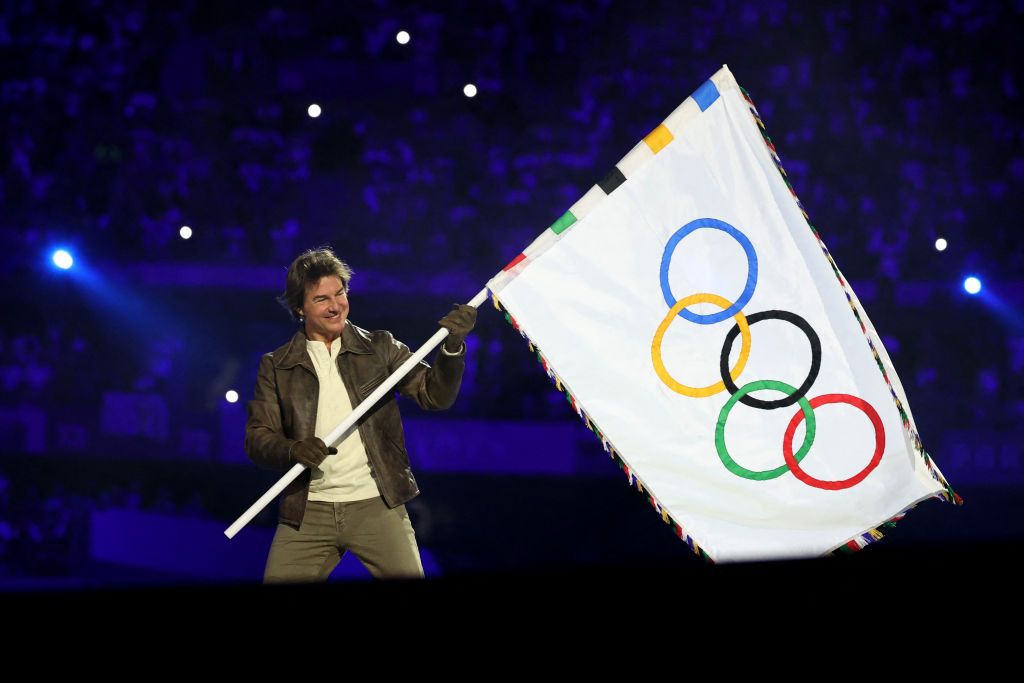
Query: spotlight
point(469, 90)
point(62, 259)
point(941, 244)
point(185, 232)
point(402, 37)
point(314, 110)
point(972, 285)
point(231, 396)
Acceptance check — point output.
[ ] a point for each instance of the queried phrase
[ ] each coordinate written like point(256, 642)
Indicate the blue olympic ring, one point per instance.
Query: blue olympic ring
point(748, 290)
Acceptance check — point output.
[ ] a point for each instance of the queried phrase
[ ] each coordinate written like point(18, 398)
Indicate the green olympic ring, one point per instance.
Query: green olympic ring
point(723, 452)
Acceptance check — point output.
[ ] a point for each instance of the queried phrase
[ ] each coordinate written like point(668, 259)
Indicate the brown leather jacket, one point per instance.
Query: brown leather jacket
point(283, 409)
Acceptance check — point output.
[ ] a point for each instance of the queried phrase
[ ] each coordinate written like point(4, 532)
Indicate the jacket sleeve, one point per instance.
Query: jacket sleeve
point(433, 388)
point(265, 443)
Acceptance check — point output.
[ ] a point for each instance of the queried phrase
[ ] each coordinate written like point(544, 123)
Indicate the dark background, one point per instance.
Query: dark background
point(121, 460)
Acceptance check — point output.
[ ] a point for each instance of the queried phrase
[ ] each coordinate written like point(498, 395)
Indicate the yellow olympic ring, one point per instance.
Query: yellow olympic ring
point(659, 366)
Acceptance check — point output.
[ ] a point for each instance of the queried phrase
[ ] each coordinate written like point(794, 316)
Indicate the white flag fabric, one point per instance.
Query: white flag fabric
point(701, 328)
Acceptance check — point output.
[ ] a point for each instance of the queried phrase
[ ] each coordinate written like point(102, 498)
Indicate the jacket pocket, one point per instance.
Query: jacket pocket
point(399, 450)
point(366, 388)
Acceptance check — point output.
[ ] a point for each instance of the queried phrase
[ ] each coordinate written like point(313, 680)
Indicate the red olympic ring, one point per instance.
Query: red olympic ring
point(794, 466)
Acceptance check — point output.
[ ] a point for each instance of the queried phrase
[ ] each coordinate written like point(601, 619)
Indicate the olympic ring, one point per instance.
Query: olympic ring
point(659, 365)
point(748, 290)
point(812, 337)
point(764, 475)
point(794, 462)
point(740, 395)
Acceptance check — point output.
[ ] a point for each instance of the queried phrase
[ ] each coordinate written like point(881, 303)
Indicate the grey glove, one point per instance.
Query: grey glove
point(310, 452)
point(459, 323)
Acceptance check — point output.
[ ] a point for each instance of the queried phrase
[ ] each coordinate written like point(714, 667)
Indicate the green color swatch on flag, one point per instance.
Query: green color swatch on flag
point(563, 223)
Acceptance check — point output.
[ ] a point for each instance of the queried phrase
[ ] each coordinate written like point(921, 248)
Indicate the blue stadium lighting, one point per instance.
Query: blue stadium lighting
point(231, 396)
point(402, 37)
point(941, 244)
point(62, 259)
point(972, 285)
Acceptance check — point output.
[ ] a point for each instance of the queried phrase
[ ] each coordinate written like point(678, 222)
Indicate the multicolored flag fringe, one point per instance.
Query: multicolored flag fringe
point(700, 328)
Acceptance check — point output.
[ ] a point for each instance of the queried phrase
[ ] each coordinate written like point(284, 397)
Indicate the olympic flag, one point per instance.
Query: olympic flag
point(701, 328)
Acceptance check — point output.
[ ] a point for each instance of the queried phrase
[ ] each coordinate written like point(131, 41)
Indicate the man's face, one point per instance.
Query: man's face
point(325, 309)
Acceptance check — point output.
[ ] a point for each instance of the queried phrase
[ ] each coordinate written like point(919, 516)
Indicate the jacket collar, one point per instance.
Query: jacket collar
point(353, 340)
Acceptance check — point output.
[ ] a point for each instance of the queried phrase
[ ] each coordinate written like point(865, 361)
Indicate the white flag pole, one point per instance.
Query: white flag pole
point(343, 429)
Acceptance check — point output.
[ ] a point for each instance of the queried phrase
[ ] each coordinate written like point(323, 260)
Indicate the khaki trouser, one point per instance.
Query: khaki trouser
point(380, 537)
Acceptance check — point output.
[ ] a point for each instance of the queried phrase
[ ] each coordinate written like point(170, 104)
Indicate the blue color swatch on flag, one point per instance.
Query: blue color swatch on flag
point(705, 95)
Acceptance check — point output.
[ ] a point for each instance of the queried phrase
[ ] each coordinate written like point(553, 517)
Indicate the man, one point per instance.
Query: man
point(352, 496)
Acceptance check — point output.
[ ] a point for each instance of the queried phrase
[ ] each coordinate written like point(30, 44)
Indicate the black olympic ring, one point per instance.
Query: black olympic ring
point(802, 390)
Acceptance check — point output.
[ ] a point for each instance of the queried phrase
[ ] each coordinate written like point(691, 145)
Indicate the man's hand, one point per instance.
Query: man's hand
point(310, 452)
point(459, 323)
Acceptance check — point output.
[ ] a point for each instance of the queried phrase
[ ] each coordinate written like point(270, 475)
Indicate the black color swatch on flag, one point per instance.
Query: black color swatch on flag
point(612, 180)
